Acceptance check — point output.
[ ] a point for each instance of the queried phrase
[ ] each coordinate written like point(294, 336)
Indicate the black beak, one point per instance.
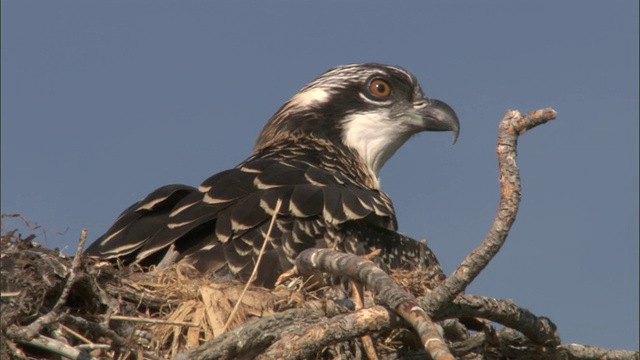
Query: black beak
point(438, 116)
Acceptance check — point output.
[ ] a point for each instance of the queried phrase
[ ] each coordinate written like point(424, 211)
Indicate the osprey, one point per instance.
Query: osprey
point(320, 154)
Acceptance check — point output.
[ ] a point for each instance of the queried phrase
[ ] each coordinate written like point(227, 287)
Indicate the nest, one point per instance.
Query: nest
point(110, 311)
point(55, 306)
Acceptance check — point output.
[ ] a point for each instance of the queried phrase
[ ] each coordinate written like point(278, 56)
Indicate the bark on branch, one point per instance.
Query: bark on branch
point(383, 286)
point(505, 312)
point(512, 125)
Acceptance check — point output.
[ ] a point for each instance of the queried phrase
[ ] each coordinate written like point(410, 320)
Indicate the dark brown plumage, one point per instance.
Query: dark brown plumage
point(320, 154)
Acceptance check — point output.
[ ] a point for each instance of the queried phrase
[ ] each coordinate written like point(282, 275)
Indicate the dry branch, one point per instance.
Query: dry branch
point(512, 125)
point(580, 352)
point(304, 343)
point(253, 337)
point(383, 286)
point(539, 329)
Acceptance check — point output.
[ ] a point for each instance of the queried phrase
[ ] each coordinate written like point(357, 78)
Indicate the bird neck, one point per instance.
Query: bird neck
point(320, 152)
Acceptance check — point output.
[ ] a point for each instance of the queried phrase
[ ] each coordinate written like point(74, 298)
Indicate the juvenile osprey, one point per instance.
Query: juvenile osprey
point(321, 154)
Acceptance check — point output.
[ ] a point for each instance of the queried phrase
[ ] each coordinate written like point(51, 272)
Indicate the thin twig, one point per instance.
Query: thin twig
point(99, 329)
point(75, 334)
point(577, 351)
point(24, 220)
point(358, 297)
point(255, 268)
point(9, 294)
point(16, 353)
point(73, 272)
point(55, 315)
point(91, 347)
point(57, 347)
point(152, 321)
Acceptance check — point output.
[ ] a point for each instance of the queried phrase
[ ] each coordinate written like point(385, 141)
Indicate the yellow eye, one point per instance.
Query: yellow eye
point(380, 88)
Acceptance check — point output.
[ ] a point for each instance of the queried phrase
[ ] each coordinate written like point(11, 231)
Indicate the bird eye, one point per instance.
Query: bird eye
point(380, 88)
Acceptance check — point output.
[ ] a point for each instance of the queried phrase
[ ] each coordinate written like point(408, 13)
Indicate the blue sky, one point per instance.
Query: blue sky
point(103, 102)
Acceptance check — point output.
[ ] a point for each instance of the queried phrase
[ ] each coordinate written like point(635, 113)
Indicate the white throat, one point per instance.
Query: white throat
point(374, 136)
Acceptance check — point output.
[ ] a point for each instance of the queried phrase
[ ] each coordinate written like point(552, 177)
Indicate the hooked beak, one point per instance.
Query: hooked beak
point(438, 116)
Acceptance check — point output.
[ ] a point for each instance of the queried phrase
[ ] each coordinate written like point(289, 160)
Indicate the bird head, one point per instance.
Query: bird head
point(373, 109)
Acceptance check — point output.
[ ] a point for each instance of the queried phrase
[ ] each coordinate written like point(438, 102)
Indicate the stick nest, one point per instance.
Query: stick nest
point(118, 312)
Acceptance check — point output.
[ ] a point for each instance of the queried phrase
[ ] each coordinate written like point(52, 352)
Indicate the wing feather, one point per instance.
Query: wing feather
point(139, 222)
point(220, 227)
point(306, 201)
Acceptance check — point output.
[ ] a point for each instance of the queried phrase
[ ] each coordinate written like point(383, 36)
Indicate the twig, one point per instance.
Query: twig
point(256, 336)
point(255, 268)
point(358, 296)
point(386, 290)
point(539, 329)
point(15, 352)
point(30, 331)
point(513, 345)
point(75, 334)
point(152, 321)
point(24, 220)
point(305, 343)
point(30, 227)
point(73, 272)
point(57, 347)
point(512, 125)
point(91, 347)
point(577, 351)
point(9, 294)
point(96, 328)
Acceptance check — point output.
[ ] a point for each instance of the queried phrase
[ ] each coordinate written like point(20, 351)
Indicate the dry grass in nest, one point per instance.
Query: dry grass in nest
point(205, 304)
point(417, 282)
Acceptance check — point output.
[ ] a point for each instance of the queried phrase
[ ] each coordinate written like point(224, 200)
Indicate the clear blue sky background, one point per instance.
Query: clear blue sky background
point(102, 102)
